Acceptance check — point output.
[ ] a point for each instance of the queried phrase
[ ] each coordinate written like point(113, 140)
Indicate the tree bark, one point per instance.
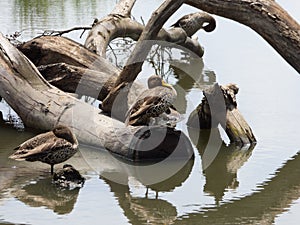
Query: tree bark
point(265, 17)
point(42, 106)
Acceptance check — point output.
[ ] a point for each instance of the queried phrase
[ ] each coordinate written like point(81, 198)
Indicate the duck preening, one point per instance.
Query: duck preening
point(53, 147)
point(152, 103)
point(193, 22)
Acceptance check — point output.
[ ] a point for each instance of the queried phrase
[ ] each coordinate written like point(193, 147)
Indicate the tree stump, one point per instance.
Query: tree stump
point(219, 106)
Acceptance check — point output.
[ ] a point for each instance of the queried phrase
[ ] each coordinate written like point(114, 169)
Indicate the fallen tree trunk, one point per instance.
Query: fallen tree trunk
point(265, 17)
point(46, 50)
point(72, 68)
point(42, 106)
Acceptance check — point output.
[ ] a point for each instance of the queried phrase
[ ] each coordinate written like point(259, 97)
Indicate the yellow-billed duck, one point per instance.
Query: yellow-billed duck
point(152, 103)
point(53, 147)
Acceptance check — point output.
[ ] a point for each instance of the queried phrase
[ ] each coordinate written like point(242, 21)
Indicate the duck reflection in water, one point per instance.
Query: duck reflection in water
point(43, 192)
point(144, 209)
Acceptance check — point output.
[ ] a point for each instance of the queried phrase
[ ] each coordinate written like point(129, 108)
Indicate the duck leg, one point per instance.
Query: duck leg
point(52, 166)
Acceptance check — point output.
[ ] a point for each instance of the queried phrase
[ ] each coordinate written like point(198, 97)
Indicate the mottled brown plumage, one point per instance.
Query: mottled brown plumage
point(152, 103)
point(193, 22)
point(53, 147)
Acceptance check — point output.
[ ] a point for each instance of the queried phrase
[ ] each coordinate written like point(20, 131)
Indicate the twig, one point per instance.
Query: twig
point(60, 33)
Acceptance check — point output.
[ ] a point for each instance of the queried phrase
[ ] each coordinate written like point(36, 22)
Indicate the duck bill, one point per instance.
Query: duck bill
point(166, 84)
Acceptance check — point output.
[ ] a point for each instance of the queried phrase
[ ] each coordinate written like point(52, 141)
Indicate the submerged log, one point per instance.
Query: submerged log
point(42, 106)
point(219, 106)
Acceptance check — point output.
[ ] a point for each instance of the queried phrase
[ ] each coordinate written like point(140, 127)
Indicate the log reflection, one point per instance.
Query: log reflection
point(221, 172)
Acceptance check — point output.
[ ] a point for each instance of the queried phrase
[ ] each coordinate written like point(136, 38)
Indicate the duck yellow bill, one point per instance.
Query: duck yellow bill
point(166, 84)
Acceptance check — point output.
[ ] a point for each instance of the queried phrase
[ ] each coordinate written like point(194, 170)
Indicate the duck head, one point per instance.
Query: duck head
point(156, 81)
point(64, 132)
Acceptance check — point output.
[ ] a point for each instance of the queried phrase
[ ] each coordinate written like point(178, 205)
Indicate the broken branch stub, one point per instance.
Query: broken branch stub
point(219, 106)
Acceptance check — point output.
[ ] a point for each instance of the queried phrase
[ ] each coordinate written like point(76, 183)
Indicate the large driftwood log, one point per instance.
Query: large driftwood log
point(46, 50)
point(42, 106)
point(72, 68)
point(219, 106)
point(265, 17)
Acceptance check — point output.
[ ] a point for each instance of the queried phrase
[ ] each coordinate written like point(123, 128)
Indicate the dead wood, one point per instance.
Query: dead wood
point(42, 106)
point(46, 50)
point(119, 24)
point(265, 17)
point(219, 106)
point(134, 63)
point(100, 37)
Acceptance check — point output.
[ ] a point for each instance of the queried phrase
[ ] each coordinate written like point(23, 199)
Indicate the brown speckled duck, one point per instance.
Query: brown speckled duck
point(152, 103)
point(53, 147)
point(193, 22)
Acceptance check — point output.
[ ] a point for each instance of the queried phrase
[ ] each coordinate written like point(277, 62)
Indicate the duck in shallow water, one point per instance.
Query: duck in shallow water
point(53, 147)
point(193, 22)
point(152, 103)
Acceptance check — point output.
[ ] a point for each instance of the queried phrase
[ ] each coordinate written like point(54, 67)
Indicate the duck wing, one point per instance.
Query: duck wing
point(36, 141)
point(40, 151)
point(141, 108)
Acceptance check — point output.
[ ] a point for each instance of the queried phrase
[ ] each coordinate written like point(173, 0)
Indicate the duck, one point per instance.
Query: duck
point(152, 103)
point(193, 22)
point(52, 147)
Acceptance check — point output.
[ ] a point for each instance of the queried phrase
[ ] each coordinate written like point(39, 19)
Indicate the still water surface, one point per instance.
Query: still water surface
point(257, 185)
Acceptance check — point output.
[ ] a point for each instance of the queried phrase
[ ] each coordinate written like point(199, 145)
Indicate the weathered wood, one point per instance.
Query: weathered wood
point(265, 17)
point(79, 80)
point(46, 50)
point(83, 81)
point(42, 106)
point(134, 63)
point(124, 8)
point(119, 24)
point(72, 68)
point(100, 36)
point(219, 106)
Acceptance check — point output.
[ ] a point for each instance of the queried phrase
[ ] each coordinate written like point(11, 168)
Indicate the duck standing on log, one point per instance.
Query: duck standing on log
point(193, 22)
point(53, 147)
point(152, 103)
